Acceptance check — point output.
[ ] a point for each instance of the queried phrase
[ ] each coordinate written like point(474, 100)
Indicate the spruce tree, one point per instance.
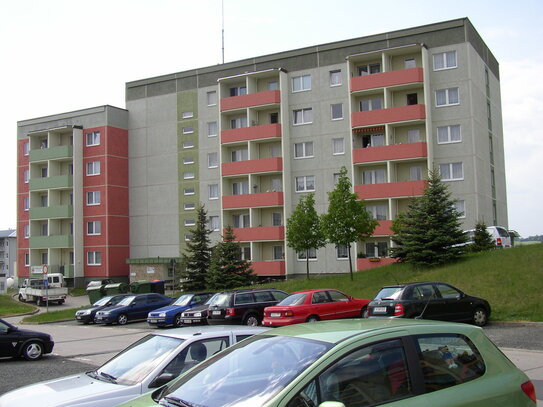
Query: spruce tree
point(428, 233)
point(198, 254)
point(482, 240)
point(228, 270)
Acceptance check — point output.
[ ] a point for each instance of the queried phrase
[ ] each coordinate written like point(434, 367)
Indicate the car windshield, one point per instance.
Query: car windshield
point(183, 300)
point(220, 300)
point(102, 301)
point(232, 378)
point(294, 299)
point(126, 300)
point(133, 364)
point(389, 292)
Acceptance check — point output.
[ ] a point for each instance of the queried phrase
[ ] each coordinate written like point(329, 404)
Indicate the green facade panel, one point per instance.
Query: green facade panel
point(53, 153)
point(52, 212)
point(58, 182)
point(52, 242)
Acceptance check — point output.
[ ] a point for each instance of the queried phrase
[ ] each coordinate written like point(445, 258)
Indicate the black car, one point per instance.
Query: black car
point(16, 342)
point(86, 315)
point(197, 315)
point(242, 306)
point(429, 300)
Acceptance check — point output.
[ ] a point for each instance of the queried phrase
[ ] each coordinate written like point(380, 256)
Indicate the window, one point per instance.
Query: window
point(27, 259)
point(189, 191)
point(189, 206)
point(335, 78)
point(214, 222)
point(26, 148)
point(26, 231)
point(94, 258)
point(188, 144)
point(273, 85)
point(93, 198)
point(211, 98)
point(188, 175)
point(277, 252)
point(187, 115)
point(338, 146)
point(190, 222)
point(45, 229)
point(275, 150)
point(238, 122)
point(188, 237)
point(374, 177)
point(93, 168)
point(303, 150)
point(415, 173)
point(26, 203)
point(377, 249)
point(212, 160)
point(44, 201)
point(378, 212)
point(449, 134)
point(413, 136)
point(213, 191)
point(305, 183)
point(241, 220)
point(342, 252)
point(188, 130)
point(212, 129)
point(460, 207)
point(312, 255)
point(93, 138)
point(409, 63)
point(72, 258)
point(446, 97)
point(337, 111)
point(450, 172)
point(369, 69)
point(412, 99)
point(44, 258)
point(43, 172)
point(303, 116)
point(94, 227)
point(241, 154)
point(238, 90)
point(188, 160)
point(301, 83)
point(277, 219)
point(336, 178)
point(274, 118)
point(240, 188)
point(445, 60)
point(44, 143)
point(367, 105)
point(276, 185)
point(26, 176)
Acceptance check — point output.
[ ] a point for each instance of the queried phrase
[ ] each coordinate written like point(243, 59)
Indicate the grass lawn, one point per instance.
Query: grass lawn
point(9, 306)
point(52, 316)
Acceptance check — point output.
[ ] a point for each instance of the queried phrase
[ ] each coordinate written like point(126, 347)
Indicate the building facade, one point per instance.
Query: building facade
point(8, 256)
point(248, 138)
point(72, 198)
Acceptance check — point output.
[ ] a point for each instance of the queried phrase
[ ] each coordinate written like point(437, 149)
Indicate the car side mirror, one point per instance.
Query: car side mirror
point(161, 380)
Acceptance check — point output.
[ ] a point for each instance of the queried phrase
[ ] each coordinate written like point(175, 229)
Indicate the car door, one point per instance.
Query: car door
point(8, 340)
point(452, 306)
point(139, 307)
point(321, 305)
point(424, 302)
point(342, 306)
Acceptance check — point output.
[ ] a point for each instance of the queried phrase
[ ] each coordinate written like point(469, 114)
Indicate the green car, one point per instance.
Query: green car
point(352, 363)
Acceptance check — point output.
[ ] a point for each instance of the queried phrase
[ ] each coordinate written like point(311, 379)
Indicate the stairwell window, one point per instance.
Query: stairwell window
point(460, 207)
point(187, 115)
point(26, 176)
point(212, 160)
point(445, 60)
point(94, 258)
point(189, 191)
point(451, 171)
point(212, 129)
point(447, 97)
point(26, 148)
point(301, 83)
point(214, 223)
point(211, 98)
point(303, 116)
point(188, 130)
point(305, 183)
point(27, 259)
point(449, 134)
point(213, 191)
point(189, 206)
point(26, 203)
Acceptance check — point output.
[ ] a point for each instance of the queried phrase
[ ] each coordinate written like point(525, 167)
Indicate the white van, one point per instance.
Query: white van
point(501, 236)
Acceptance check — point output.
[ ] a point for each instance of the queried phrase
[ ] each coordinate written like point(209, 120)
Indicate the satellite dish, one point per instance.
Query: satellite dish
point(10, 281)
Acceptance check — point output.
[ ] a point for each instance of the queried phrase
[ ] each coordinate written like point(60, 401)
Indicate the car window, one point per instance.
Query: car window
point(424, 291)
point(294, 299)
point(279, 295)
point(448, 292)
point(448, 360)
point(502, 232)
point(263, 296)
point(242, 337)
point(319, 297)
point(220, 300)
point(371, 375)
point(140, 300)
point(243, 298)
point(389, 293)
point(336, 296)
point(3, 327)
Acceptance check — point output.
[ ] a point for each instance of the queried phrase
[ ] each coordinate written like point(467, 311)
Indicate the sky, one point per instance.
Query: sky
point(63, 55)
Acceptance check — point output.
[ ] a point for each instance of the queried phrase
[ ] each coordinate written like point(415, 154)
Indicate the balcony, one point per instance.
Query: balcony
point(53, 153)
point(58, 182)
point(383, 228)
point(52, 212)
point(269, 97)
point(265, 131)
point(387, 79)
point(390, 115)
point(51, 242)
point(262, 233)
point(274, 164)
point(366, 264)
point(269, 268)
point(387, 153)
point(264, 199)
point(390, 190)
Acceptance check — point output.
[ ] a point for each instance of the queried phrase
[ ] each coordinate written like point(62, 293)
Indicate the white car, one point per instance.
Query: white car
point(501, 236)
point(145, 365)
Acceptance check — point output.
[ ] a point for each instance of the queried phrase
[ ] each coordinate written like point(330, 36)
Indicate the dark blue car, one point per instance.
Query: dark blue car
point(171, 314)
point(132, 308)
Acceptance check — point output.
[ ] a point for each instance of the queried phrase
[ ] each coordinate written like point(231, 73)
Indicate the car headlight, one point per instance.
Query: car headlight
point(162, 315)
point(85, 312)
point(197, 314)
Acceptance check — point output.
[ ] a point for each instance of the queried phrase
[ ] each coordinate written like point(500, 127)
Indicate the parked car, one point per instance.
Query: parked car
point(131, 308)
point(197, 315)
point(314, 305)
point(502, 237)
point(242, 306)
point(171, 314)
point(147, 364)
point(16, 342)
point(429, 300)
point(86, 315)
point(357, 362)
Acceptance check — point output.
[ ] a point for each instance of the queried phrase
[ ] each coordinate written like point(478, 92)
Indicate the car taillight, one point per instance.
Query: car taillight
point(529, 389)
point(230, 311)
point(289, 313)
point(398, 310)
point(499, 241)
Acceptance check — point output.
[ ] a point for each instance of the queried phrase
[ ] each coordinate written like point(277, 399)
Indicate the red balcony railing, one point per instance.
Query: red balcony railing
point(384, 79)
point(264, 131)
point(390, 115)
point(273, 164)
point(264, 199)
point(269, 97)
point(392, 152)
point(383, 228)
point(269, 268)
point(262, 233)
point(390, 189)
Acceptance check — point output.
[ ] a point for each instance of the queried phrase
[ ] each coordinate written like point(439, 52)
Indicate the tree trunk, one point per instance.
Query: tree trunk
point(307, 263)
point(350, 261)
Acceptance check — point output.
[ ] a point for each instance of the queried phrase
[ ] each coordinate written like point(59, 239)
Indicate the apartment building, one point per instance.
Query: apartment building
point(248, 138)
point(72, 197)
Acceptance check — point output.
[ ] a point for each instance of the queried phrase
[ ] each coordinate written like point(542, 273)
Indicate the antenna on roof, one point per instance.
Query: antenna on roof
point(222, 31)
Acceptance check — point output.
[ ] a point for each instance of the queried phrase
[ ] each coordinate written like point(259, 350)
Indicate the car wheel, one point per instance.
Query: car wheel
point(122, 319)
point(21, 298)
point(32, 350)
point(312, 318)
point(364, 313)
point(60, 302)
point(177, 321)
point(251, 320)
point(480, 317)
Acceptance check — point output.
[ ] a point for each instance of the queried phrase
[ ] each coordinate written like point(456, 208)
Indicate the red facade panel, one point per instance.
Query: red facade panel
point(263, 233)
point(118, 228)
point(263, 199)
point(117, 142)
point(117, 201)
point(269, 268)
point(390, 189)
point(384, 79)
point(22, 270)
point(366, 264)
point(390, 115)
point(273, 164)
point(251, 133)
point(269, 97)
point(117, 261)
point(392, 152)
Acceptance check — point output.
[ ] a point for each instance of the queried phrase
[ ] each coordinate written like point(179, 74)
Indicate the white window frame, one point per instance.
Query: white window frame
point(376, 211)
point(241, 220)
point(238, 122)
point(94, 258)
point(302, 116)
point(278, 252)
point(190, 222)
point(409, 63)
point(188, 175)
point(26, 148)
point(26, 231)
point(443, 61)
point(460, 206)
point(301, 83)
point(189, 206)
point(313, 255)
point(93, 198)
point(273, 85)
point(213, 191)
point(277, 218)
point(371, 102)
point(212, 129)
point(27, 259)
point(187, 115)
point(93, 168)
point(26, 203)
point(451, 170)
point(415, 173)
point(447, 95)
point(94, 228)
point(447, 132)
point(213, 160)
point(188, 144)
point(188, 130)
point(214, 223)
point(335, 78)
point(374, 176)
point(26, 176)
point(305, 182)
point(340, 117)
point(338, 146)
point(92, 138)
point(211, 98)
point(188, 160)
point(189, 191)
point(241, 186)
point(305, 149)
point(413, 136)
point(342, 252)
point(239, 154)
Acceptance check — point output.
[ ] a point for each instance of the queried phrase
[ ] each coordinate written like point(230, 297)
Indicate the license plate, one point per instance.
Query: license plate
point(78, 317)
point(275, 314)
point(380, 310)
point(216, 312)
point(187, 321)
point(153, 321)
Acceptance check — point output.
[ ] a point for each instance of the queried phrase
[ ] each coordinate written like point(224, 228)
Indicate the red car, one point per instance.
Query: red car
point(314, 305)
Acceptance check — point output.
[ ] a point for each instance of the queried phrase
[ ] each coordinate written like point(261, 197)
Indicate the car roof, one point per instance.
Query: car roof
point(314, 290)
point(248, 290)
point(210, 330)
point(342, 329)
point(413, 283)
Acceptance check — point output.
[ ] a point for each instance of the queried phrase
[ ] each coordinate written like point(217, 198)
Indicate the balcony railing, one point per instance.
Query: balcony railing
point(269, 97)
point(262, 233)
point(58, 182)
point(390, 115)
point(390, 189)
point(391, 152)
point(383, 228)
point(53, 153)
point(51, 242)
point(274, 164)
point(263, 199)
point(52, 212)
point(269, 268)
point(264, 131)
point(386, 79)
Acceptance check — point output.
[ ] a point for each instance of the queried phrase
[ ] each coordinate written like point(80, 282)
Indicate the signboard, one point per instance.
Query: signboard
point(36, 270)
point(45, 269)
point(150, 270)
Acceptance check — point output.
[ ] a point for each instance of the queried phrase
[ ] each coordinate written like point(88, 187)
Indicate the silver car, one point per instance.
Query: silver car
point(145, 365)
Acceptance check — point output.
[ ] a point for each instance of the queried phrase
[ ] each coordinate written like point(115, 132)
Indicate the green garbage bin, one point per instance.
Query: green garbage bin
point(116, 288)
point(141, 286)
point(95, 292)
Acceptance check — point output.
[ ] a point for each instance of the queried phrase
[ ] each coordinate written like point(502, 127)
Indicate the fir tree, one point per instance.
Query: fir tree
point(228, 270)
point(482, 240)
point(428, 233)
point(198, 254)
point(303, 229)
